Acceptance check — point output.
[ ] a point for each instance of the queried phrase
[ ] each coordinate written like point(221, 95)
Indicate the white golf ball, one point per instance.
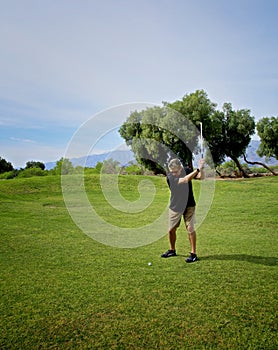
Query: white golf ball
point(150, 264)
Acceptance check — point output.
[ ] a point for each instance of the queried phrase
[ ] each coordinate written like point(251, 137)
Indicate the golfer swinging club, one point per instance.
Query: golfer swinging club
point(182, 204)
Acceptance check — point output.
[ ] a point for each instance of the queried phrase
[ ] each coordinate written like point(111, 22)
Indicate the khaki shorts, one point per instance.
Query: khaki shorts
point(188, 217)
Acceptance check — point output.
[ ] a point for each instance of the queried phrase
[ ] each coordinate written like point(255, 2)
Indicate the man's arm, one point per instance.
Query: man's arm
point(197, 173)
point(201, 173)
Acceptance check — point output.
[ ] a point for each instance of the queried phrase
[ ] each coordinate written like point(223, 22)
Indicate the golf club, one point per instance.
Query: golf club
point(201, 139)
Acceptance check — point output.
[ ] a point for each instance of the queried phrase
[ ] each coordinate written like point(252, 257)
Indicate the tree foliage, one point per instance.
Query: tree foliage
point(142, 132)
point(5, 166)
point(231, 134)
point(110, 166)
point(63, 167)
point(34, 164)
point(268, 132)
point(196, 108)
point(32, 171)
point(159, 133)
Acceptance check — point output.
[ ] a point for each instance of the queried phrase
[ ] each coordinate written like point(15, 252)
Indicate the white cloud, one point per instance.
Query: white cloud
point(22, 140)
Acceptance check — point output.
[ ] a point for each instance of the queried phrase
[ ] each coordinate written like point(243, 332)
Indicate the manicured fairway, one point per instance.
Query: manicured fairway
point(61, 289)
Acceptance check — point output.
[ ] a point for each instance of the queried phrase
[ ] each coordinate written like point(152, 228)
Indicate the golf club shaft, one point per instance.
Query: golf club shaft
point(201, 131)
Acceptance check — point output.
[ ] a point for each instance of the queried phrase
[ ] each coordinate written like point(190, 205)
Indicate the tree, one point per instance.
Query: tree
point(231, 134)
point(98, 167)
point(5, 166)
point(110, 166)
point(33, 164)
point(63, 167)
point(259, 163)
point(159, 133)
point(268, 132)
point(227, 132)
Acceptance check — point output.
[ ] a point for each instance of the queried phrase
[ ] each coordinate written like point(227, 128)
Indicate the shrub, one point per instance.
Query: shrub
point(9, 174)
point(32, 172)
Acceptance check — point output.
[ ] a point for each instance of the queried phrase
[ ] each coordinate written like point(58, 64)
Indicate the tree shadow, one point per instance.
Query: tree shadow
point(261, 260)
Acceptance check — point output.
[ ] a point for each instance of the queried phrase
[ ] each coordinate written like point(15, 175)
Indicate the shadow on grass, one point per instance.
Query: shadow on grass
point(262, 260)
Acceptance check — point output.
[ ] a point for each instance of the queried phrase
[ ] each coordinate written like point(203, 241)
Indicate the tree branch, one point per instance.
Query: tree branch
point(259, 163)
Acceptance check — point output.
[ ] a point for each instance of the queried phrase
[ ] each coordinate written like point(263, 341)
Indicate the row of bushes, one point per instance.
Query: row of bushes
point(226, 169)
point(30, 172)
point(22, 173)
point(230, 169)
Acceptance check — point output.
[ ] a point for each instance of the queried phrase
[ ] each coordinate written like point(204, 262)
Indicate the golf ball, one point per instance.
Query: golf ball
point(150, 264)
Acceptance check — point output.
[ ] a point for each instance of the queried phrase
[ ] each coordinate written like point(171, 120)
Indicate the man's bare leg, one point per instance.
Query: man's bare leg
point(192, 240)
point(172, 238)
point(172, 241)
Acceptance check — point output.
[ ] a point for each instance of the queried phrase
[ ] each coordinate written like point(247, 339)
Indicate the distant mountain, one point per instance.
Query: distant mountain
point(125, 156)
point(122, 156)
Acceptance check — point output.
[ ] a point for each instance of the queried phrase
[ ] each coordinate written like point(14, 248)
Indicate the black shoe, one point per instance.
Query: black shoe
point(169, 253)
point(192, 258)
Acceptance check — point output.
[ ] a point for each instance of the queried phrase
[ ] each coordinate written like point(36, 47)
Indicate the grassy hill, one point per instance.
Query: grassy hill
point(60, 289)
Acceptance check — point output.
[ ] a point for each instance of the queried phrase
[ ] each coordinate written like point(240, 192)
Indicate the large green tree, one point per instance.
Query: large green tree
point(268, 131)
point(158, 133)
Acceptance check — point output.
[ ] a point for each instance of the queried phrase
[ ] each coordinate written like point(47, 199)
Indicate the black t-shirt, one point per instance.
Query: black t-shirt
point(181, 194)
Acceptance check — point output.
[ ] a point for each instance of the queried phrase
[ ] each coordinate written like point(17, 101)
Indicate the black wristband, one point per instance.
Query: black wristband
point(198, 170)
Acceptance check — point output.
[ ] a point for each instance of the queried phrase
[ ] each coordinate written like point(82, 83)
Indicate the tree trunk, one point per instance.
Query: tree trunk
point(259, 163)
point(219, 173)
point(240, 168)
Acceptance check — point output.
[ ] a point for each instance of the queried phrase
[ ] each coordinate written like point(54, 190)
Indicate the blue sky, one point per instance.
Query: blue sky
point(63, 61)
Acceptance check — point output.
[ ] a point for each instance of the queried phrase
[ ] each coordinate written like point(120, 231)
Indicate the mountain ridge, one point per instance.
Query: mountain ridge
point(90, 161)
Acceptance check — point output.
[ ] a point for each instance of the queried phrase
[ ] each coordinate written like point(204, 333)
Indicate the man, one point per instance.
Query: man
point(182, 204)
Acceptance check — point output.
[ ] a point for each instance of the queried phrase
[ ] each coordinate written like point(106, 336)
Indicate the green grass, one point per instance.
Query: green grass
point(62, 290)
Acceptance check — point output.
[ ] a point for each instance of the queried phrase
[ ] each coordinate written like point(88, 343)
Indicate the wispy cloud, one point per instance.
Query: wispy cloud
point(22, 140)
